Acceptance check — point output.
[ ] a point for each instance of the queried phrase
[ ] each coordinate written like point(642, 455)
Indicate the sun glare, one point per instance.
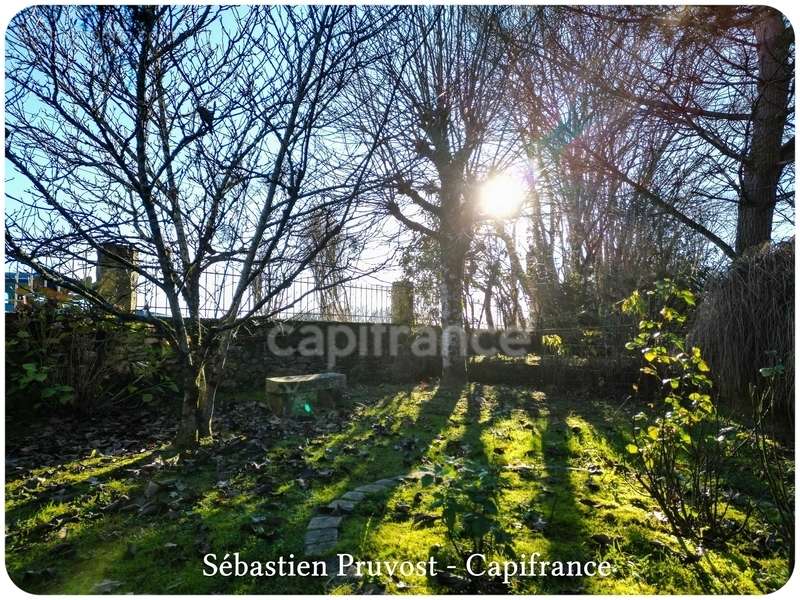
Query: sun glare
point(501, 196)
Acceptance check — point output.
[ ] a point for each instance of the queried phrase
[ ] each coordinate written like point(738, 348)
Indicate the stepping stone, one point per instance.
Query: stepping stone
point(353, 496)
point(389, 483)
point(319, 549)
point(371, 488)
point(317, 536)
point(345, 506)
point(351, 573)
point(324, 523)
point(322, 532)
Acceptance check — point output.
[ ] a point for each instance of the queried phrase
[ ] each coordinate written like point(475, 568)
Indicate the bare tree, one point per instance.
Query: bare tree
point(198, 136)
point(721, 79)
point(610, 208)
point(446, 134)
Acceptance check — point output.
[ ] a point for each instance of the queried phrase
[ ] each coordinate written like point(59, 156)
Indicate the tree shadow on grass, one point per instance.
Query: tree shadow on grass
point(225, 523)
point(564, 508)
point(393, 438)
point(605, 421)
point(123, 547)
point(468, 445)
point(89, 483)
point(232, 524)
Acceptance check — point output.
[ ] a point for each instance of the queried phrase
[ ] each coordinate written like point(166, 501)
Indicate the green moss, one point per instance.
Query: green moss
point(562, 458)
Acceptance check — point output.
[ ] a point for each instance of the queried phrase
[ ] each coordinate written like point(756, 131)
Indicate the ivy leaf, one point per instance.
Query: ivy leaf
point(687, 296)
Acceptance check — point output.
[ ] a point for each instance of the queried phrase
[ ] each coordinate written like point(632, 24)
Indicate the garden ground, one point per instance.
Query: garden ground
point(104, 506)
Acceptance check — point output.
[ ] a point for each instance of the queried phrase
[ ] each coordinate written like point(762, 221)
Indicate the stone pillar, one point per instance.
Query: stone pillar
point(402, 303)
point(115, 281)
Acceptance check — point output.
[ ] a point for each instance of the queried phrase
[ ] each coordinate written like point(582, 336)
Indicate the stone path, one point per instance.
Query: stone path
point(322, 532)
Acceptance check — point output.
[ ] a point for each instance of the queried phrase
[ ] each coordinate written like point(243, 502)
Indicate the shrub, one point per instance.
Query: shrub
point(66, 355)
point(554, 344)
point(681, 447)
point(747, 313)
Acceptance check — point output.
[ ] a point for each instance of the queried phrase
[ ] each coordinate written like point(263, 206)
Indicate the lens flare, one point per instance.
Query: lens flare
point(501, 197)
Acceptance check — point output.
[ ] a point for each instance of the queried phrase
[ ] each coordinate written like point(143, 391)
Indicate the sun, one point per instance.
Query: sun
point(501, 196)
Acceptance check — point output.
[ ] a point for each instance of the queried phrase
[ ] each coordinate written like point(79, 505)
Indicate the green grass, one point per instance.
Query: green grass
point(252, 494)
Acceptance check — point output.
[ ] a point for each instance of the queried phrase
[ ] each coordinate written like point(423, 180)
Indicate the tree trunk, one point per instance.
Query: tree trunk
point(454, 358)
point(194, 396)
point(213, 381)
point(519, 274)
point(206, 409)
point(487, 294)
point(762, 169)
point(540, 266)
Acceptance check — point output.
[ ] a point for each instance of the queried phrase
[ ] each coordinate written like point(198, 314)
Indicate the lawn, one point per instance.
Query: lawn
point(90, 509)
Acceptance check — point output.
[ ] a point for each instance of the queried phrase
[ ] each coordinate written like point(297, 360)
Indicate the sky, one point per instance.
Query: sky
point(375, 254)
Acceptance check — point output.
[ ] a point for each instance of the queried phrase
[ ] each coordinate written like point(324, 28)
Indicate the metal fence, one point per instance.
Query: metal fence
point(303, 299)
point(348, 301)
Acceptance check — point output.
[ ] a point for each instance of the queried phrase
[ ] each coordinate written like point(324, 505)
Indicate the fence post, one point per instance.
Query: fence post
point(402, 303)
point(115, 282)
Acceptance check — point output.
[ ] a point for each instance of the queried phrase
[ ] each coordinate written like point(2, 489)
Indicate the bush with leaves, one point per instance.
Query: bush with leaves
point(681, 449)
point(468, 493)
point(554, 344)
point(61, 354)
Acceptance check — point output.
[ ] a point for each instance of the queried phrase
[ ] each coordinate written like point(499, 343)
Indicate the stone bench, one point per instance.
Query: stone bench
point(297, 395)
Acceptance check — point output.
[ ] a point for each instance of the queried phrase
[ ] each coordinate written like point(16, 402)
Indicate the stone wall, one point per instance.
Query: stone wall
point(251, 357)
point(383, 353)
